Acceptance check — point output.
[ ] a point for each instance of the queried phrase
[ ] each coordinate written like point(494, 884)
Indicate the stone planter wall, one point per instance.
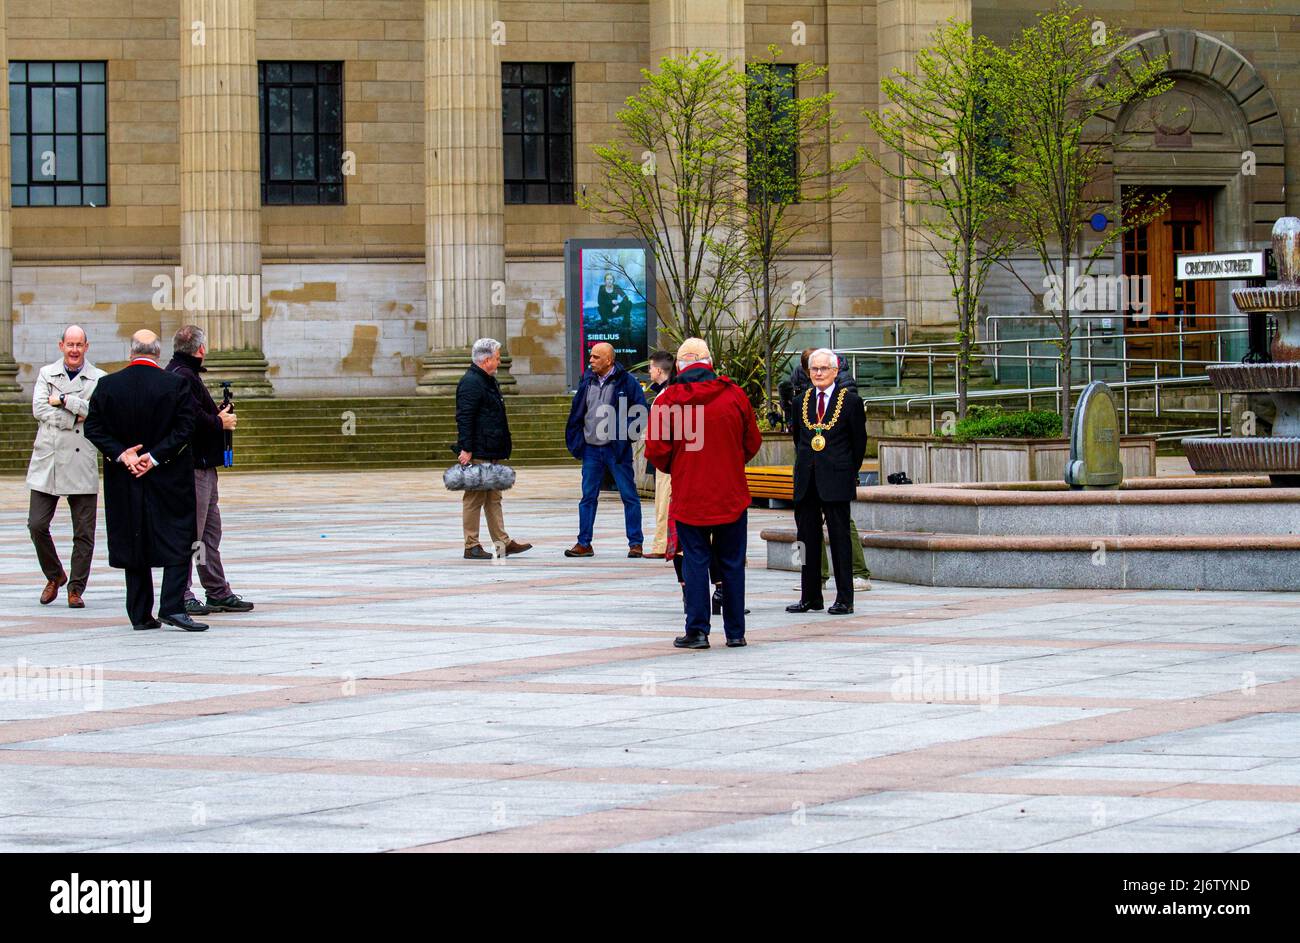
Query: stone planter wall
point(938, 459)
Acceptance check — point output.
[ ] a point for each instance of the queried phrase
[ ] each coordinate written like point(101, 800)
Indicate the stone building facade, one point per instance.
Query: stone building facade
point(381, 292)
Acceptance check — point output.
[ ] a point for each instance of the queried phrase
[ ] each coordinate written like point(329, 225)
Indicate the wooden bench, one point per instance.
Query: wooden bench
point(775, 483)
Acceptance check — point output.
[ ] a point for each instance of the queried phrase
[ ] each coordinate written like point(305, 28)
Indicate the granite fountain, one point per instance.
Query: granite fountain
point(1276, 455)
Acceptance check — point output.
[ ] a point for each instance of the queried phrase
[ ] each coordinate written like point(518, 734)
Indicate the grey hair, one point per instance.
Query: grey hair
point(484, 348)
point(824, 352)
point(151, 349)
point(189, 339)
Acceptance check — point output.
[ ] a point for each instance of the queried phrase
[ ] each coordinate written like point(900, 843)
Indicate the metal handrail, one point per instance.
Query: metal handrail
point(1124, 386)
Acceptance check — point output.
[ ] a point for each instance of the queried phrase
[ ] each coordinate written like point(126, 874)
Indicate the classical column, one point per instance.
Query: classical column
point(679, 27)
point(915, 281)
point(10, 391)
point(464, 191)
point(220, 188)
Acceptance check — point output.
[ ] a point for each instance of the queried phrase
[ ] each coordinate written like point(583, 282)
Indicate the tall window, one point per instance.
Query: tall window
point(537, 131)
point(772, 145)
point(57, 131)
point(302, 132)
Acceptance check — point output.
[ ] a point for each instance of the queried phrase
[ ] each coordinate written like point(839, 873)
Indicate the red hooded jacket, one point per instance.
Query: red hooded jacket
point(702, 431)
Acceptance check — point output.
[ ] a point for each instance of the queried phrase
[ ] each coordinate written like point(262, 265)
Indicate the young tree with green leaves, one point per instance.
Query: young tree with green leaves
point(947, 150)
point(674, 180)
point(792, 175)
point(1060, 85)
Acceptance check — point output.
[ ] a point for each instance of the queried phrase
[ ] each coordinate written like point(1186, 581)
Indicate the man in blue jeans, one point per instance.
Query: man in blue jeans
point(601, 421)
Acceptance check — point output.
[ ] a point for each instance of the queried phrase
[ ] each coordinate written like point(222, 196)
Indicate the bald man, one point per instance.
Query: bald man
point(141, 419)
point(63, 465)
point(599, 434)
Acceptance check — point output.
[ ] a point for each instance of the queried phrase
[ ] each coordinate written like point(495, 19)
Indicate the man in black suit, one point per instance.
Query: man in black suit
point(830, 437)
point(141, 419)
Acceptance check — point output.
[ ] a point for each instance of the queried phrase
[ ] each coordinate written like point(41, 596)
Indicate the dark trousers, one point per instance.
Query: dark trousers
point(41, 512)
point(139, 592)
point(596, 460)
point(808, 514)
point(208, 515)
point(700, 547)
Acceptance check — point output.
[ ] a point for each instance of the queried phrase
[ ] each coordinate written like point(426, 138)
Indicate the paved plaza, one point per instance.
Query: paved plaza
point(387, 695)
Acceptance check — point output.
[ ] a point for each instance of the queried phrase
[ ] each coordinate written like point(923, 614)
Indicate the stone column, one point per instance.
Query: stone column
point(221, 239)
point(10, 391)
point(464, 191)
point(679, 27)
point(915, 282)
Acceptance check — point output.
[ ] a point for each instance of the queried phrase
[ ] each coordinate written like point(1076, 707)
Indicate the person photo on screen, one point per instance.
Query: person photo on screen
point(614, 305)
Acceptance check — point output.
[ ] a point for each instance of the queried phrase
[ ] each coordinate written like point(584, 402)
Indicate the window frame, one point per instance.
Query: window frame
point(551, 136)
point(25, 139)
point(266, 137)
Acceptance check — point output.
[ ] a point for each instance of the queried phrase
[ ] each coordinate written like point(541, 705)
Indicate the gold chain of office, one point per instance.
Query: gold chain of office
point(819, 440)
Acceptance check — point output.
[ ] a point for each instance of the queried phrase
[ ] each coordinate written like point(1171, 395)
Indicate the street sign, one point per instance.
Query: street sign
point(1221, 265)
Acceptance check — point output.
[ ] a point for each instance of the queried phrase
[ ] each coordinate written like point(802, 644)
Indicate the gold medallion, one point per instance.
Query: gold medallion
point(818, 442)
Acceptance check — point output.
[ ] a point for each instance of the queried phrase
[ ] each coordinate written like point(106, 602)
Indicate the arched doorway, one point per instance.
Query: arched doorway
point(1214, 144)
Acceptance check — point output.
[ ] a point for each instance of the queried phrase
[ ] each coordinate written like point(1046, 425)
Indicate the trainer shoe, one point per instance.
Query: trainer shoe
point(195, 608)
point(231, 603)
point(861, 584)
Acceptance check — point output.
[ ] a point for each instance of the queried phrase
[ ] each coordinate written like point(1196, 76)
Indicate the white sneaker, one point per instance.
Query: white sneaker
point(861, 585)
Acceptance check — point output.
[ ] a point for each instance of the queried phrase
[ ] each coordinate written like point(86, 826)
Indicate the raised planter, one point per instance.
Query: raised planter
point(940, 459)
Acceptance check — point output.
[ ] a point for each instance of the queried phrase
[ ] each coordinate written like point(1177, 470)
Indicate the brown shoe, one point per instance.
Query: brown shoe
point(52, 589)
point(74, 600)
point(578, 550)
point(515, 547)
point(635, 551)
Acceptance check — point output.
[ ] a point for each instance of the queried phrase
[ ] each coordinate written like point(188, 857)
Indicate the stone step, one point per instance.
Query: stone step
point(1246, 562)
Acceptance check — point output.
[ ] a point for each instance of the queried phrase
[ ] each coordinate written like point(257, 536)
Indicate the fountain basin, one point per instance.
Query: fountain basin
point(1255, 377)
point(1229, 533)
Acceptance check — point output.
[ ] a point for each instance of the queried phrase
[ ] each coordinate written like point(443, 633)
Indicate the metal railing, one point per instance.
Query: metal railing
point(899, 325)
point(1087, 336)
point(1175, 369)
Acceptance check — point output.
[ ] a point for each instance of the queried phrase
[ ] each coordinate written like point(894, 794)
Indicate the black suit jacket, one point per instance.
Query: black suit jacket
point(150, 520)
point(835, 468)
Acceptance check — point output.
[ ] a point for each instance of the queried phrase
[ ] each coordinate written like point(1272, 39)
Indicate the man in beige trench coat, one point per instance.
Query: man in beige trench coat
point(64, 464)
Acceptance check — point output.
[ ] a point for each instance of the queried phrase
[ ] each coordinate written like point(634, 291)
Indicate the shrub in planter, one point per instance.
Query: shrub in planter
point(994, 422)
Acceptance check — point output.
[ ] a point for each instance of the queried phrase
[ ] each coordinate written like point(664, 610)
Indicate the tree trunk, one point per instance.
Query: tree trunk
point(767, 333)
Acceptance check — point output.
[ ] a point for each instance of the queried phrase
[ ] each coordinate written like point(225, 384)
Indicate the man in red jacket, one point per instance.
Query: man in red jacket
point(702, 431)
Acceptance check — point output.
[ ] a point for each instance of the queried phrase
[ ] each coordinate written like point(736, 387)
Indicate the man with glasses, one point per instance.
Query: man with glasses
point(830, 436)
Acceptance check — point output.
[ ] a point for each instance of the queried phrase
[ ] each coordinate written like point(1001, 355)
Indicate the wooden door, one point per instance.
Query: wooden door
point(1186, 226)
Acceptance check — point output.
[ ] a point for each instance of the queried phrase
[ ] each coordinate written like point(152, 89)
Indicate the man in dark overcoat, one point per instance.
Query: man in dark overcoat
point(141, 420)
point(830, 437)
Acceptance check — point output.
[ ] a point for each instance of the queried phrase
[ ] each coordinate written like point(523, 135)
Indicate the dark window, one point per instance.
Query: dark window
point(58, 133)
point(773, 145)
point(302, 132)
point(537, 131)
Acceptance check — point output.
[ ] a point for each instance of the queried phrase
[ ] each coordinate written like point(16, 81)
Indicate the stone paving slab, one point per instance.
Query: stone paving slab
point(388, 695)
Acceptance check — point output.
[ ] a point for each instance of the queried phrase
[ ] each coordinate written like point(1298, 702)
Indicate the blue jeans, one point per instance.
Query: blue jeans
point(722, 545)
point(595, 459)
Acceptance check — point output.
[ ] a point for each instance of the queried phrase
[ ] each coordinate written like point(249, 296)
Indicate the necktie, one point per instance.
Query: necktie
point(821, 404)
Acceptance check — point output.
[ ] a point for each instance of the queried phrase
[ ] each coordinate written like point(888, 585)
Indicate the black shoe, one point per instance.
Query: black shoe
point(736, 642)
point(802, 606)
point(691, 640)
point(231, 603)
point(183, 621)
point(839, 609)
point(717, 602)
point(477, 553)
point(195, 608)
point(151, 624)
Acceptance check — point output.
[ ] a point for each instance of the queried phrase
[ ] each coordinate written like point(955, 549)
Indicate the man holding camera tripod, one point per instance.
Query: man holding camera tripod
point(208, 445)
